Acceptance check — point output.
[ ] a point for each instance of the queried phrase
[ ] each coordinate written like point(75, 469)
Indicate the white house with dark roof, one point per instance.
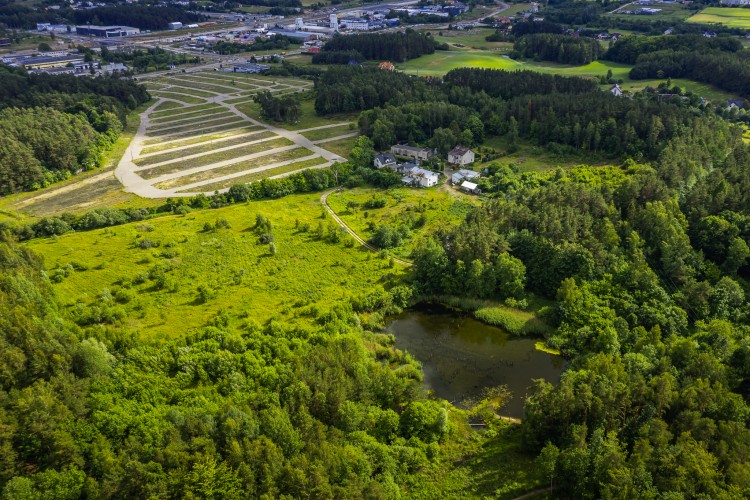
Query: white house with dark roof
point(418, 176)
point(461, 156)
point(616, 90)
point(384, 160)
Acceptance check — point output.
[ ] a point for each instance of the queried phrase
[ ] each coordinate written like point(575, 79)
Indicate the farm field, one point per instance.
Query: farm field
point(160, 264)
point(669, 12)
point(422, 211)
point(204, 129)
point(730, 17)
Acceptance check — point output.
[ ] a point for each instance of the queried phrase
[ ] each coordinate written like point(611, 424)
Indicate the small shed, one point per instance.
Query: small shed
point(470, 187)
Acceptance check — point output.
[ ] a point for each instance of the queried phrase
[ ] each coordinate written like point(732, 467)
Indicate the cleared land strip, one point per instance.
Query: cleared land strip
point(202, 132)
point(198, 139)
point(237, 85)
point(336, 138)
point(183, 110)
point(180, 116)
point(195, 126)
point(198, 163)
point(245, 176)
point(207, 141)
point(202, 87)
point(176, 181)
point(190, 91)
point(184, 154)
point(178, 97)
point(194, 116)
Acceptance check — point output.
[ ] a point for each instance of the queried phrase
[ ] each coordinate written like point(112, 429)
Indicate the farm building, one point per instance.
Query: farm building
point(461, 156)
point(412, 152)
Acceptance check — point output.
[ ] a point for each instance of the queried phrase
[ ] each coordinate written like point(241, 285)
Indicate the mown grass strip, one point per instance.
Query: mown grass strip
point(202, 132)
point(290, 154)
point(256, 176)
point(179, 116)
point(178, 97)
point(327, 133)
point(181, 152)
point(197, 127)
point(197, 140)
point(194, 119)
point(212, 158)
point(181, 109)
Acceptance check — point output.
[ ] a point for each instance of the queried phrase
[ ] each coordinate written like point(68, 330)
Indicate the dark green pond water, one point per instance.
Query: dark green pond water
point(460, 356)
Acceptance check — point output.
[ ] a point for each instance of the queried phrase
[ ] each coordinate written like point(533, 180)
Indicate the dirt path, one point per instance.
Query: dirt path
point(534, 493)
point(324, 201)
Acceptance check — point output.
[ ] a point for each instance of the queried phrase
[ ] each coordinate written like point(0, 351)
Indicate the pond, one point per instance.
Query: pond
point(460, 355)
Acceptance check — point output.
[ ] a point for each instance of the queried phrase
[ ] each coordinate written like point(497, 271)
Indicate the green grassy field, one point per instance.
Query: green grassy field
point(441, 207)
point(327, 133)
point(304, 274)
point(728, 16)
point(199, 139)
point(308, 118)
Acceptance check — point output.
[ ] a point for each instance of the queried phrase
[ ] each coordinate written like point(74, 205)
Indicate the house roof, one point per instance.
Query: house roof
point(468, 185)
point(459, 151)
point(421, 172)
point(469, 174)
point(385, 158)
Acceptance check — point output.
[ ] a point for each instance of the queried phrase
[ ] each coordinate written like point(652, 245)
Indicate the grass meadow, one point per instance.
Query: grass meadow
point(731, 17)
point(442, 207)
point(306, 276)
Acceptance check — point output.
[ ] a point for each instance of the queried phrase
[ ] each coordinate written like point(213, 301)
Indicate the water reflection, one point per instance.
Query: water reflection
point(460, 355)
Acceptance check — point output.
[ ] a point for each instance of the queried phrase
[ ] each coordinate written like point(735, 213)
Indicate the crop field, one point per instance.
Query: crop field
point(728, 16)
point(421, 211)
point(204, 133)
point(153, 268)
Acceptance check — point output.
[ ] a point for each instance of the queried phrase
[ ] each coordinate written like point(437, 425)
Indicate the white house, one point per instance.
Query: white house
point(461, 156)
point(464, 175)
point(616, 90)
point(418, 176)
point(384, 160)
point(412, 152)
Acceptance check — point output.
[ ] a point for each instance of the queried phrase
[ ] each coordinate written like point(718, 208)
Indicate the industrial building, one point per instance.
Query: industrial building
point(175, 26)
point(107, 31)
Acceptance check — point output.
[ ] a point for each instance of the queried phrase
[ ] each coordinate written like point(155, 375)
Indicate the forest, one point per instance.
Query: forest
point(143, 17)
point(397, 47)
point(559, 48)
point(55, 126)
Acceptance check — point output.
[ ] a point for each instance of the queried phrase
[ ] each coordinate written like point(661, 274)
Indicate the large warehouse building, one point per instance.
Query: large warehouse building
point(106, 31)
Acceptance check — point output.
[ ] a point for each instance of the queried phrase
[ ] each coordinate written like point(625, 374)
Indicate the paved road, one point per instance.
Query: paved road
point(324, 201)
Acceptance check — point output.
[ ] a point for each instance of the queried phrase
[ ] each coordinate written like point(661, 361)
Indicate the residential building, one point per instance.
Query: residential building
point(414, 152)
point(463, 175)
point(616, 90)
point(461, 156)
point(418, 176)
point(384, 160)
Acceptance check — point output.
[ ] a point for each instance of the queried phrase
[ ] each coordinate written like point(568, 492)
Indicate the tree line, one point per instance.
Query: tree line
point(396, 47)
point(143, 17)
point(55, 126)
point(564, 49)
